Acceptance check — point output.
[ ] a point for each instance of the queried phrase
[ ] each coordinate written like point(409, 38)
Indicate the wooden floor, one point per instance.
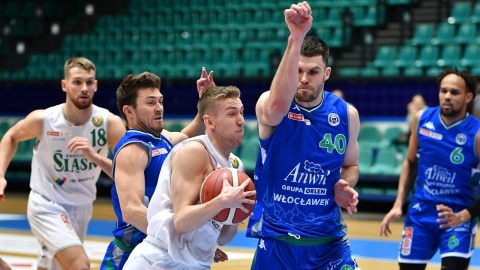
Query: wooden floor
point(363, 226)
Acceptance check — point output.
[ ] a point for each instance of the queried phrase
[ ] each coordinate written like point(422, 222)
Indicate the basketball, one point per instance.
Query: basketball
point(212, 186)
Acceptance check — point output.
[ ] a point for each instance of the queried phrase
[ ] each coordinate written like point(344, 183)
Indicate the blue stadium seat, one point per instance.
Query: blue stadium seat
point(460, 12)
point(423, 34)
point(428, 56)
point(450, 55)
point(385, 56)
point(467, 32)
point(471, 55)
point(406, 55)
point(445, 34)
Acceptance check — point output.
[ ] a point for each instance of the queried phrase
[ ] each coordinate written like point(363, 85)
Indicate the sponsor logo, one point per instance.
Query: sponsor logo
point(160, 151)
point(59, 180)
point(333, 119)
point(58, 134)
point(429, 125)
point(407, 241)
point(437, 173)
point(430, 134)
point(97, 121)
point(295, 116)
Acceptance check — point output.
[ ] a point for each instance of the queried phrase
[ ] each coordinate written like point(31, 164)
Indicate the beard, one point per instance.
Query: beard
point(305, 97)
point(449, 113)
point(81, 105)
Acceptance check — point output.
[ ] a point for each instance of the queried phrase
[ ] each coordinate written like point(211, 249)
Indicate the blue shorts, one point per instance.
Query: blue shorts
point(422, 236)
point(115, 257)
point(276, 254)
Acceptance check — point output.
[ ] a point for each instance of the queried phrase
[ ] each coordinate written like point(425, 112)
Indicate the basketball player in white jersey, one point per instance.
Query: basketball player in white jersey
point(181, 233)
point(72, 145)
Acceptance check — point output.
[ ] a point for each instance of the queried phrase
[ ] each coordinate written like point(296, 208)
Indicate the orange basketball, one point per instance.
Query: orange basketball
point(212, 186)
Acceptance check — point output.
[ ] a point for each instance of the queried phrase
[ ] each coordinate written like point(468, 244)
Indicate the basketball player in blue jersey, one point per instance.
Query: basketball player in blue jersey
point(443, 155)
point(308, 162)
point(138, 158)
point(72, 145)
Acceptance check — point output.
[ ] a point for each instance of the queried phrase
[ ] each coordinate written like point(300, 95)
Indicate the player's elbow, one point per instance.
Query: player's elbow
point(180, 227)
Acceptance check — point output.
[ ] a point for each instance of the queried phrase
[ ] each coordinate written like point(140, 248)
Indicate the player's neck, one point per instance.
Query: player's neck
point(75, 116)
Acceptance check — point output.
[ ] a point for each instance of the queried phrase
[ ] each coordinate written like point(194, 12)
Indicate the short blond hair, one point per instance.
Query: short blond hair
point(80, 62)
point(214, 94)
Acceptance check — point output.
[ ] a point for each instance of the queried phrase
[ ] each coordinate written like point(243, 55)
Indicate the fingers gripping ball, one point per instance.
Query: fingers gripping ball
point(212, 186)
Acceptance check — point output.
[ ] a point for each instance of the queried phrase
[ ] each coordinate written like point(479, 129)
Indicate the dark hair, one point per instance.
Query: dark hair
point(470, 80)
point(127, 92)
point(213, 94)
point(314, 46)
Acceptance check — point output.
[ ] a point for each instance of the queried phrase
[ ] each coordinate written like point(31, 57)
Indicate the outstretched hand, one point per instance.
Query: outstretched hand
point(394, 213)
point(205, 81)
point(299, 19)
point(346, 197)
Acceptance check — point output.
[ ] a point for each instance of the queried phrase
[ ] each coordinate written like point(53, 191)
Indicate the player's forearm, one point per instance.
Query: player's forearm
point(104, 163)
point(136, 215)
point(474, 210)
point(193, 216)
point(227, 233)
point(350, 174)
point(284, 84)
point(8, 148)
point(194, 128)
point(406, 181)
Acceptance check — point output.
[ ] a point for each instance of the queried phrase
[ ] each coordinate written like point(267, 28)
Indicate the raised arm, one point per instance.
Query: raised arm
point(274, 104)
point(196, 127)
point(25, 129)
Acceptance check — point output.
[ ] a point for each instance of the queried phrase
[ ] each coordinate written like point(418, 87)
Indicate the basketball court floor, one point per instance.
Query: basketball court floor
point(18, 246)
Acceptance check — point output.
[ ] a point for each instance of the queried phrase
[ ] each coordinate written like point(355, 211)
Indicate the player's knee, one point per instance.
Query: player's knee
point(455, 263)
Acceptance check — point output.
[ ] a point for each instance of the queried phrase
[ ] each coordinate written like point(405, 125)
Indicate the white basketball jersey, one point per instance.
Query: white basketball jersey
point(195, 248)
point(60, 175)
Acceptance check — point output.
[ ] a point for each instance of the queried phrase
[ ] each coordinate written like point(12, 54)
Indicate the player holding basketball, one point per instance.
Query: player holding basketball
point(443, 152)
point(308, 163)
point(138, 158)
point(181, 233)
point(73, 140)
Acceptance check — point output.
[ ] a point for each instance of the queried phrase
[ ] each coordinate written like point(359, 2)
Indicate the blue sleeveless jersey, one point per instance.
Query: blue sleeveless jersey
point(297, 168)
point(158, 149)
point(446, 160)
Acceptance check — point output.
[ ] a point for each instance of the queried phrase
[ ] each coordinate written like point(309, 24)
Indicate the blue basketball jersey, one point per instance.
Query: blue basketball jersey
point(158, 149)
point(297, 168)
point(446, 159)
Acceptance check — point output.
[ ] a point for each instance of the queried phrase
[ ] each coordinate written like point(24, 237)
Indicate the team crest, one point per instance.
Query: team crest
point(461, 139)
point(235, 162)
point(97, 121)
point(333, 119)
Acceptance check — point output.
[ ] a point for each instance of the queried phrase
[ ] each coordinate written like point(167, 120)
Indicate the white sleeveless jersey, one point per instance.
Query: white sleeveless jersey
point(195, 248)
point(60, 175)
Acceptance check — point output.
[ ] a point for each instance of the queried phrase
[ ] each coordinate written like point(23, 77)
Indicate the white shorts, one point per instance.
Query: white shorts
point(152, 254)
point(56, 226)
